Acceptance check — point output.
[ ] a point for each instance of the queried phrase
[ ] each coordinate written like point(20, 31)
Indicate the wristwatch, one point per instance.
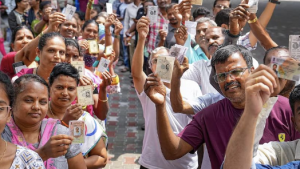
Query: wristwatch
point(274, 1)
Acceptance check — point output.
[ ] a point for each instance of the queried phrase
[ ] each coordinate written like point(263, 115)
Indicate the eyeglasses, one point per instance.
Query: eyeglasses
point(4, 110)
point(236, 73)
point(221, 6)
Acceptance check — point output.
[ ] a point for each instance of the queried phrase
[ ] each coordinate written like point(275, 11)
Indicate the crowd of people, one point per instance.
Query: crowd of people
point(221, 109)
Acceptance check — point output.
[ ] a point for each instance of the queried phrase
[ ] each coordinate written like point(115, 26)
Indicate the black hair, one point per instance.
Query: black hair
point(65, 69)
point(272, 49)
point(215, 2)
point(17, 1)
point(7, 87)
point(20, 84)
point(16, 30)
point(222, 17)
point(46, 37)
point(44, 4)
point(98, 8)
point(81, 15)
point(170, 6)
point(223, 53)
point(201, 11)
point(86, 23)
point(294, 96)
point(74, 43)
point(149, 1)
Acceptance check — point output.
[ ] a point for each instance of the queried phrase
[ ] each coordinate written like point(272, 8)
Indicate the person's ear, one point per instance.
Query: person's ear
point(225, 26)
point(38, 52)
point(12, 45)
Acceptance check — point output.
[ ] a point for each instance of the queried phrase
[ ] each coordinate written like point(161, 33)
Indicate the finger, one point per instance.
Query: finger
point(259, 87)
point(61, 136)
point(62, 141)
point(264, 80)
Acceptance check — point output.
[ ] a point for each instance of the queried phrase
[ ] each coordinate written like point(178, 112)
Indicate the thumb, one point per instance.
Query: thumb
point(245, 2)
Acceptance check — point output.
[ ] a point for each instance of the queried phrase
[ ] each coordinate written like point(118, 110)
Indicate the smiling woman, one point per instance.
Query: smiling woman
point(51, 50)
point(69, 28)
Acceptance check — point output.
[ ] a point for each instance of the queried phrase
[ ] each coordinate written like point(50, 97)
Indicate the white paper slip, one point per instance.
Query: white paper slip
point(166, 27)
point(108, 50)
point(294, 46)
point(253, 6)
point(152, 14)
point(19, 68)
point(103, 65)
point(182, 53)
point(85, 95)
point(191, 27)
point(69, 11)
point(79, 65)
point(109, 8)
point(164, 68)
point(54, 4)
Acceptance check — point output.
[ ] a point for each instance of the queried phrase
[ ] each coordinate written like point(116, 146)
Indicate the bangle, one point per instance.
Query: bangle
point(41, 34)
point(115, 80)
point(104, 100)
point(117, 36)
point(274, 1)
point(63, 123)
point(253, 21)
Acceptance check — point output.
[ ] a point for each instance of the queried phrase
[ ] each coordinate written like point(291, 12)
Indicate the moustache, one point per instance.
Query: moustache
point(232, 83)
point(214, 44)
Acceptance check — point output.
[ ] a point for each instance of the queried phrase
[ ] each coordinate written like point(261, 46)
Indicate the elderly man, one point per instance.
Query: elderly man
point(152, 156)
point(214, 124)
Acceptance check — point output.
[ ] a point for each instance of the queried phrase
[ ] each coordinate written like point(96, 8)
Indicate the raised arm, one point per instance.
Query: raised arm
point(172, 146)
point(28, 53)
point(264, 19)
point(116, 43)
point(178, 105)
point(139, 77)
point(259, 86)
point(88, 10)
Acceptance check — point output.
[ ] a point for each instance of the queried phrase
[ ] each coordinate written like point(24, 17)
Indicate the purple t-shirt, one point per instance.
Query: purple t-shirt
point(215, 124)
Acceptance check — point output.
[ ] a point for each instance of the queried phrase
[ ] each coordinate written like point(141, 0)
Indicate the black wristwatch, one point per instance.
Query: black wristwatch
point(274, 1)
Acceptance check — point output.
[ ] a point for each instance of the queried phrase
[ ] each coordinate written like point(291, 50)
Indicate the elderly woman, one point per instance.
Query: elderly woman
point(63, 81)
point(28, 128)
point(12, 154)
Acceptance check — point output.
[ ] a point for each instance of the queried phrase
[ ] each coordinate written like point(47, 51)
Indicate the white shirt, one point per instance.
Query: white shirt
point(130, 14)
point(152, 156)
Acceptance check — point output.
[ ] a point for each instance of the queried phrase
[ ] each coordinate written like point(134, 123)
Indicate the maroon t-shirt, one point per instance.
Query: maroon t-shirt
point(215, 124)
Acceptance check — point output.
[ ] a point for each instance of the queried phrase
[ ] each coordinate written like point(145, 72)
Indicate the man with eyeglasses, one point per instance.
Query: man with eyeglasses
point(219, 5)
point(215, 123)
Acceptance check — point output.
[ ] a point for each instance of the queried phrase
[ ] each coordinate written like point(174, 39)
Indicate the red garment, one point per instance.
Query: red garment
point(6, 64)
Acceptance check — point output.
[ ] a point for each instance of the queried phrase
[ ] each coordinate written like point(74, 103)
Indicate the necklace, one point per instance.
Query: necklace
point(4, 151)
point(52, 111)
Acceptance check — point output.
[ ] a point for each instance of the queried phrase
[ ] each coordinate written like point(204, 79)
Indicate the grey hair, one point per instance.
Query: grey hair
point(155, 52)
point(206, 19)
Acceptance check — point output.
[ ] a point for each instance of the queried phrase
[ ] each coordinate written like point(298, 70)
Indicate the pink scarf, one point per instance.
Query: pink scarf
point(19, 139)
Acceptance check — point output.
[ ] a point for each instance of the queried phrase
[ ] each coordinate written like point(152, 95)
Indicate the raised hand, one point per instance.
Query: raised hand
point(110, 20)
point(178, 69)
point(259, 86)
point(143, 27)
point(238, 19)
point(155, 89)
point(162, 34)
point(118, 27)
point(185, 8)
point(55, 20)
point(73, 112)
point(84, 46)
point(181, 35)
point(56, 146)
point(106, 80)
point(176, 13)
point(85, 81)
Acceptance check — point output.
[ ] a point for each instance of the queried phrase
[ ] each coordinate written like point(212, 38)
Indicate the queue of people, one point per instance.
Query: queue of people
point(220, 108)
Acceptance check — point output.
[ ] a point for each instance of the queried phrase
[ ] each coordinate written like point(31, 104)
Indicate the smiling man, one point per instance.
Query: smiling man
point(214, 124)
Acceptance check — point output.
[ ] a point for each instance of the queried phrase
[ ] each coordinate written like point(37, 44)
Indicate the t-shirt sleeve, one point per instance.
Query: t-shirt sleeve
point(6, 64)
point(193, 133)
point(201, 102)
point(74, 149)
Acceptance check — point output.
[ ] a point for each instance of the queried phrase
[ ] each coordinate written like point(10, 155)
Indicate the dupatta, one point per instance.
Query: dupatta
point(19, 139)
